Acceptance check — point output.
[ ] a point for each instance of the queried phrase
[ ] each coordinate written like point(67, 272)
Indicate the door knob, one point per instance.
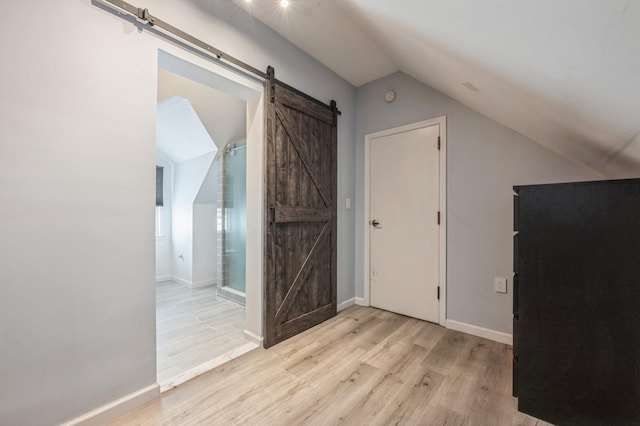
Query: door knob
point(375, 223)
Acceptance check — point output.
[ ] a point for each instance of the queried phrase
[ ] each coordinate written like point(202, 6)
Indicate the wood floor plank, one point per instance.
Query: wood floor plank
point(193, 326)
point(339, 398)
point(394, 345)
point(384, 387)
point(330, 391)
point(365, 366)
point(412, 399)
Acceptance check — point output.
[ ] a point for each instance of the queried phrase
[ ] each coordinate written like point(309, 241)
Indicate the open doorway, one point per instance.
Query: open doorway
point(201, 296)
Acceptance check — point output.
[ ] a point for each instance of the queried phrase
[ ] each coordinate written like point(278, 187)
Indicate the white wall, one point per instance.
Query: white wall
point(204, 230)
point(484, 161)
point(205, 235)
point(77, 158)
point(163, 243)
point(189, 177)
point(77, 173)
point(204, 245)
point(255, 223)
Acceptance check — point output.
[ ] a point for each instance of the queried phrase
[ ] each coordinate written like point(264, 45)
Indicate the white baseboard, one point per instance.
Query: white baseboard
point(193, 284)
point(182, 281)
point(163, 278)
point(116, 408)
point(252, 337)
point(361, 302)
point(204, 283)
point(480, 332)
point(344, 305)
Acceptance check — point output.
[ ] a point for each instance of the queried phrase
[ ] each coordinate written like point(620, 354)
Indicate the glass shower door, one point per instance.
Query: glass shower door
point(235, 205)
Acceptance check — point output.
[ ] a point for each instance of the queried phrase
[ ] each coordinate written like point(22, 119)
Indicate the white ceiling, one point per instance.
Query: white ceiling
point(223, 116)
point(180, 134)
point(565, 73)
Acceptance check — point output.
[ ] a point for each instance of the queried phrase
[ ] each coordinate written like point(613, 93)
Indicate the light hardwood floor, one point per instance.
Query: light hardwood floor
point(365, 366)
point(193, 326)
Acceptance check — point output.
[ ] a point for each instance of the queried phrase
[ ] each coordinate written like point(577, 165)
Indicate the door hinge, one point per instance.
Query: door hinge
point(438, 218)
point(438, 143)
point(438, 292)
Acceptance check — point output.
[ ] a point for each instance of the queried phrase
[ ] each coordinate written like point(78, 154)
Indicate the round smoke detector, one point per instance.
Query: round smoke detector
point(390, 96)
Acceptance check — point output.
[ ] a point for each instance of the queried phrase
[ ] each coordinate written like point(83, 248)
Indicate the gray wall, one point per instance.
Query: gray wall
point(484, 161)
point(77, 179)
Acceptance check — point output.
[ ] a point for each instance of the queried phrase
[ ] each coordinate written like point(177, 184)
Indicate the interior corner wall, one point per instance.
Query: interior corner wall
point(188, 179)
point(205, 235)
point(204, 245)
point(77, 179)
point(484, 161)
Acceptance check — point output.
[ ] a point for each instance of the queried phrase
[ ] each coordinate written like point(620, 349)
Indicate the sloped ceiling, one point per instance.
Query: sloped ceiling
point(565, 73)
point(180, 134)
point(223, 115)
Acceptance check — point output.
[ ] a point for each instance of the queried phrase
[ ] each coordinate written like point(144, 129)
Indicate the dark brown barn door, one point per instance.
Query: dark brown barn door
point(300, 267)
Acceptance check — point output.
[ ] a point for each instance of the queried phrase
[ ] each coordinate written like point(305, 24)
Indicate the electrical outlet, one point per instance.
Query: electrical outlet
point(500, 285)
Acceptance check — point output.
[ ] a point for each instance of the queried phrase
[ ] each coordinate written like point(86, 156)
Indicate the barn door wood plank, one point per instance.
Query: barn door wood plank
point(297, 143)
point(302, 214)
point(294, 101)
point(302, 273)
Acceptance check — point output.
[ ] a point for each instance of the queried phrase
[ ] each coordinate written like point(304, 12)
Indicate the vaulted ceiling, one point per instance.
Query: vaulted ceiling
point(210, 117)
point(565, 73)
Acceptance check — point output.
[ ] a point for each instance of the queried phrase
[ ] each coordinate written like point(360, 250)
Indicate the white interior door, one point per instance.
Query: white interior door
point(404, 231)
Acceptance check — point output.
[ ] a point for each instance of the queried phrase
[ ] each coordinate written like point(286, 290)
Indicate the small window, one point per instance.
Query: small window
point(159, 186)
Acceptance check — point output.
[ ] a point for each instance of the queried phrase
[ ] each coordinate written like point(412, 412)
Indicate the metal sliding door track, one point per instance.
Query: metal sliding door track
point(143, 16)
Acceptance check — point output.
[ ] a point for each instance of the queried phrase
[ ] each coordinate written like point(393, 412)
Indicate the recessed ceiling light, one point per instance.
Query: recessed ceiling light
point(470, 86)
point(284, 3)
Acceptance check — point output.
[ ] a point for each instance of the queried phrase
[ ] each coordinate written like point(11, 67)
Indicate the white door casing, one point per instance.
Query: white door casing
point(405, 188)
